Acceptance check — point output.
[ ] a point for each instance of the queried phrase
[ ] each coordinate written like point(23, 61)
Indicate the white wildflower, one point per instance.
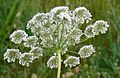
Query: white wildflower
point(18, 36)
point(31, 41)
point(86, 51)
point(57, 29)
point(11, 55)
point(25, 59)
point(100, 26)
point(72, 61)
point(52, 62)
point(37, 52)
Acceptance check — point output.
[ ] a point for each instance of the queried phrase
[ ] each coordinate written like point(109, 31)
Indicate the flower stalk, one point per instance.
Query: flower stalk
point(59, 63)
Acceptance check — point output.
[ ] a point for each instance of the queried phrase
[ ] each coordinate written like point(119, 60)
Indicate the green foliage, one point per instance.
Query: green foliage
point(105, 63)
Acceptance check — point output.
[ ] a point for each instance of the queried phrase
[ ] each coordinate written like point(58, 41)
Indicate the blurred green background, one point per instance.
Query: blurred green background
point(105, 63)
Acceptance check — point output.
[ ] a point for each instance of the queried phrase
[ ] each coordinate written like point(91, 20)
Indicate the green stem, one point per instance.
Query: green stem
point(84, 40)
point(59, 63)
point(25, 73)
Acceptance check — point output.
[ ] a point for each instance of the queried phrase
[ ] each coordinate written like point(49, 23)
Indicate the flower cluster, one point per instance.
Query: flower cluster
point(12, 54)
point(26, 58)
point(56, 30)
point(72, 61)
point(37, 52)
point(31, 41)
point(99, 26)
point(82, 15)
point(52, 62)
point(18, 36)
point(86, 51)
point(55, 27)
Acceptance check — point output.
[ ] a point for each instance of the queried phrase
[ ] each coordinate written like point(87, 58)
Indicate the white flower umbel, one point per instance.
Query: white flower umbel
point(11, 55)
point(72, 61)
point(89, 31)
point(38, 23)
point(56, 31)
point(86, 51)
point(18, 36)
point(100, 26)
point(31, 41)
point(52, 62)
point(82, 15)
point(57, 10)
point(25, 59)
point(37, 52)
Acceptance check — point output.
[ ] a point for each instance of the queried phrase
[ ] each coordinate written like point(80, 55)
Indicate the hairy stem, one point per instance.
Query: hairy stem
point(59, 64)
